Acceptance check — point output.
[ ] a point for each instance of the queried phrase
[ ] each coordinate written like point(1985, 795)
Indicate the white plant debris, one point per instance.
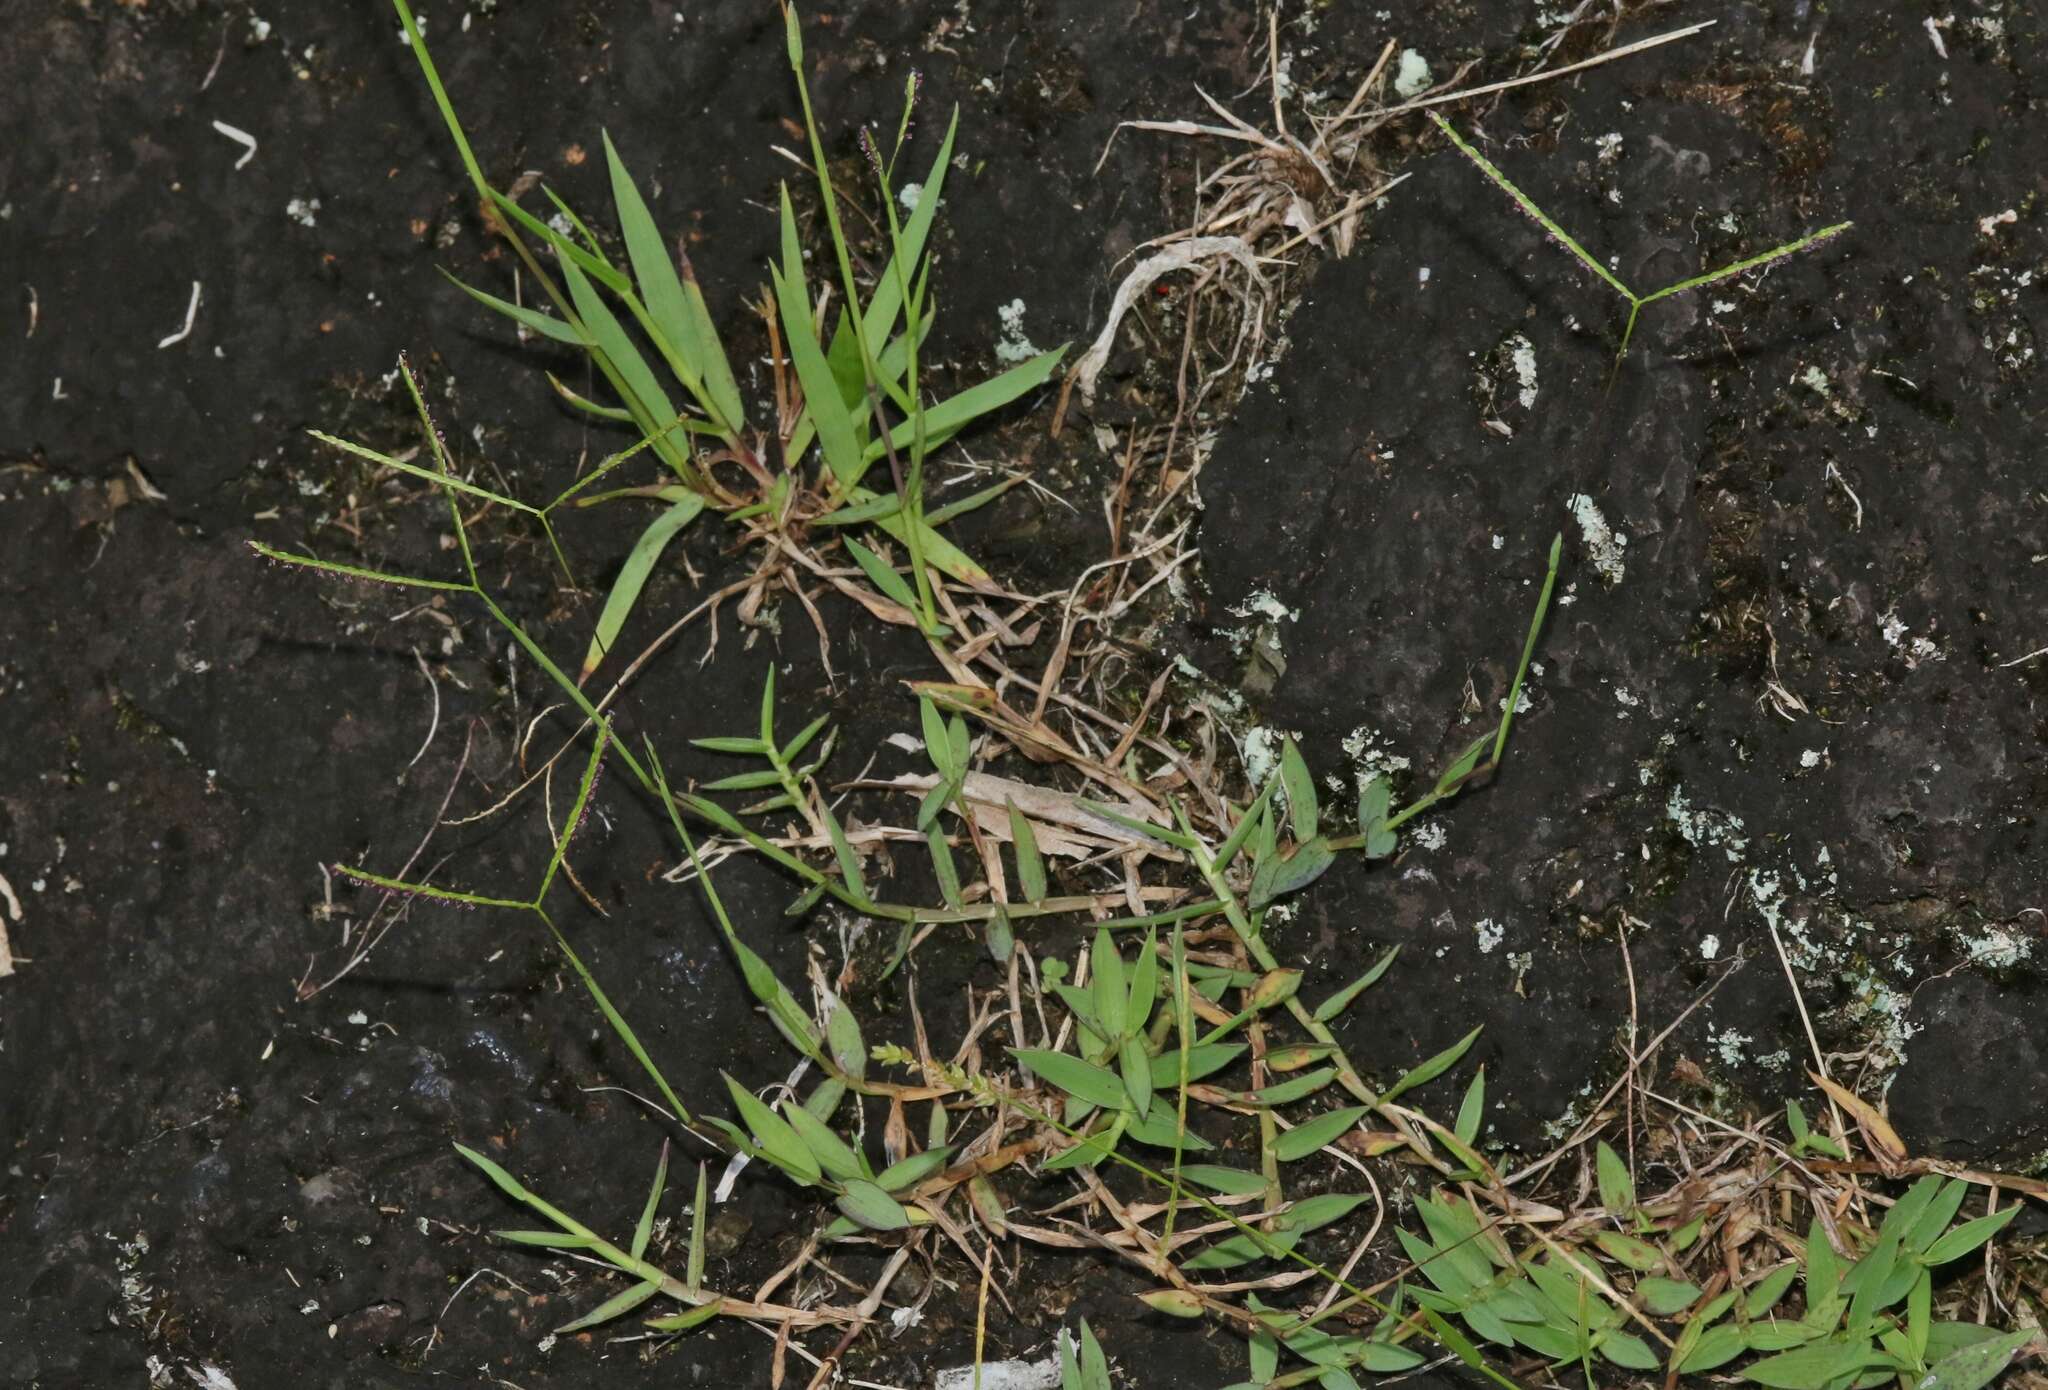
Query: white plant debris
point(1522, 356)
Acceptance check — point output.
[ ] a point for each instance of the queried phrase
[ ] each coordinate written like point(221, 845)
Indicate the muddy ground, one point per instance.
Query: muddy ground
point(1799, 694)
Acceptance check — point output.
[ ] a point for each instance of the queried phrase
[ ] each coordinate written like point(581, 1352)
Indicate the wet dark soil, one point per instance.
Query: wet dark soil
point(1830, 485)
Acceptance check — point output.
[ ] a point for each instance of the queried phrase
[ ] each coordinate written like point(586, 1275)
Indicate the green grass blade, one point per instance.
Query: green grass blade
point(644, 397)
point(618, 1305)
point(547, 325)
point(1528, 205)
point(618, 1023)
point(1500, 741)
point(449, 479)
point(1433, 1068)
point(618, 604)
point(290, 557)
point(1030, 863)
point(884, 578)
point(593, 264)
point(1790, 248)
point(644, 1230)
point(955, 413)
point(679, 314)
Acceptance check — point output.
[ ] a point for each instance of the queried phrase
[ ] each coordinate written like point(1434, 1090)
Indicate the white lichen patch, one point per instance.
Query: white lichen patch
point(1261, 603)
point(304, 211)
point(1411, 73)
point(1363, 745)
point(1522, 357)
point(1812, 757)
point(1999, 946)
point(1710, 947)
point(1429, 835)
point(909, 196)
point(1729, 1044)
point(1816, 381)
point(1702, 827)
point(1013, 345)
point(1604, 544)
point(1490, 934)
point(1261, 752)
point(1608, 146)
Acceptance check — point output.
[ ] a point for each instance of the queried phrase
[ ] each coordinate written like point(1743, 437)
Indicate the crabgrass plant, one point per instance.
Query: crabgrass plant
point(857, 393)
point(1637, 302)
point(1183, 1024)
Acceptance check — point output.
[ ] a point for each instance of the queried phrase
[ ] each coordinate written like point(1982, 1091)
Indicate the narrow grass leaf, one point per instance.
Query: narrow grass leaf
point(1977, 1365)
point(1434, 1067)
point(559, 1240)
point(618, 1305)
point(680, 316)
point(1111, 993)
point(683, 1322)
point(640, 561)
point(645, 1228)
point(913, 1170)
point(883, 576)
point(546, 325)
point(836, 1159)
point(1341, 1000)
point(947, 418)
point(842, 849)
point(1230, 1182)
point(694, 1273)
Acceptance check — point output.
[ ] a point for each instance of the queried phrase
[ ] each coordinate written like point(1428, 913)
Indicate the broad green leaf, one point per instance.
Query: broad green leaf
point(1300, 785)
point(1968, 1237)
point(616, 1306)
point(1434, 1067)
point(1314, 1213)
point(1813, 1367)
point(1317, 1134)
point(1978, 1364)
point(1160, 1127)
point(842, 1035)
point(1462, 766)
point(1177, 1303)
point(1341, 1000)
point(1375, 800)
point(1941, 1209)
point(1617, 1189)
point(1472, 1109)
point(1717, 1346)
point(1666, 1297)
point(1077, 1078)
point(1111, 993)
point(1765, 1293)
point(913, 1170)
point(834, 1156)
point(1090, 1369)
point(871, 1207)
point(1030, 866)
point(1627, 1249)
point(1136, 1070)
point(1204, 1059)
point(1281, 875)
point(777, 1141)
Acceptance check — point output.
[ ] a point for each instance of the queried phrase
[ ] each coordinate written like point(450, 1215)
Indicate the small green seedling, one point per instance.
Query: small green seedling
point(1636, 302)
